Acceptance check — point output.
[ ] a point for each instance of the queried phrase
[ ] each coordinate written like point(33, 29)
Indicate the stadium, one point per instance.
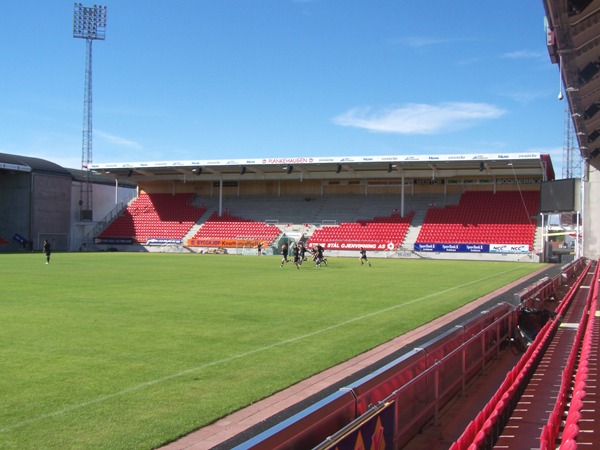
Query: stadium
point(480, 329)
point(469, 206)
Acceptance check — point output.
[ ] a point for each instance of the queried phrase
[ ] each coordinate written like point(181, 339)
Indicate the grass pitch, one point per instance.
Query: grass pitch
point(132, 350)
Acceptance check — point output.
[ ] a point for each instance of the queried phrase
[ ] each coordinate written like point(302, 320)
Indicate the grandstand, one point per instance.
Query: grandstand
point(471, 207)
point(154, 217)
point(483, 217)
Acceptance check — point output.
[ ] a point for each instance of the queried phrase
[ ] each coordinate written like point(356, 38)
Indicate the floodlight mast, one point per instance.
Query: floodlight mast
point(89, 23)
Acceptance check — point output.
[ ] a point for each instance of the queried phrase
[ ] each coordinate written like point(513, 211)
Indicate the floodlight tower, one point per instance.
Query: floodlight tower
point(89, 23)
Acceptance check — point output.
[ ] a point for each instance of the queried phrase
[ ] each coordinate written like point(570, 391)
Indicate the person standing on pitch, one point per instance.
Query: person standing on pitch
point(363, 257)
point(296, 253)
point(47, 250)
point(284, 252)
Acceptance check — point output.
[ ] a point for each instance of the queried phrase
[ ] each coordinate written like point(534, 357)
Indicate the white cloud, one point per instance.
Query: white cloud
point(117, 140)
point(424, 41)
point(419, 118)
point(525, 54)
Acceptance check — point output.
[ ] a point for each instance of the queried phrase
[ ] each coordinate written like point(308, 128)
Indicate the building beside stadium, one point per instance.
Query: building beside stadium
point(39, 200)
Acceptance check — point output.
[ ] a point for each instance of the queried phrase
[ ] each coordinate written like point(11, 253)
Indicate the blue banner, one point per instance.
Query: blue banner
point(471, 248)
point(19, 239)
point(453, 248)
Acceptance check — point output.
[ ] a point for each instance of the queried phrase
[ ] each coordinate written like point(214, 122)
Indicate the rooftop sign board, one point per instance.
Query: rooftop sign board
point(320, 160)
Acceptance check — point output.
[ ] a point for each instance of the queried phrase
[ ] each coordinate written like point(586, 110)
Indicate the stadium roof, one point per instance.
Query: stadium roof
point(573, 40)
point(97, 178)
point(17, 163)
point(26, 164)
point(321, 167)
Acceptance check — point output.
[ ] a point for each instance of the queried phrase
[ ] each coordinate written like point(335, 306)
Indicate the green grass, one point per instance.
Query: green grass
point(132, 350)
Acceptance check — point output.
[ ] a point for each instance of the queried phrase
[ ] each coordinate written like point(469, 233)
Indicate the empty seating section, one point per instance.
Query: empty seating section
point(574, 308)
point(161, 216)
point(503, 217)
point(228, 226)
point(480, 217)
point(382, 229)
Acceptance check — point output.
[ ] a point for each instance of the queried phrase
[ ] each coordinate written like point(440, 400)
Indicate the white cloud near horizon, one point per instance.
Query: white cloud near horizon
point(425, 41)
point(525, 54)
point(420, 118)
point(117, 140)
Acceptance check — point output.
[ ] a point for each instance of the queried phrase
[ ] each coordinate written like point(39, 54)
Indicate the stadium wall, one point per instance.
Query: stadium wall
point(34, 206)
point(591, 212)
point(108, 201)
point(45, 205)
point(15, 204)
point(50, 210)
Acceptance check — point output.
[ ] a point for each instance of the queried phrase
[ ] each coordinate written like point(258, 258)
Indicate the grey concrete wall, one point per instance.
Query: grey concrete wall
point(108, 200)
point(15, 200)
point(591, 220)
point(51, 210)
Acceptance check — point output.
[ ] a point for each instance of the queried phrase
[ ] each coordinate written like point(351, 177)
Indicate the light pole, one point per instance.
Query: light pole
point(89, 23)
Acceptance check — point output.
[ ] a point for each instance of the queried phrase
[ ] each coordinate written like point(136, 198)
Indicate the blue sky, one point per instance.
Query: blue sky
point(196, 79)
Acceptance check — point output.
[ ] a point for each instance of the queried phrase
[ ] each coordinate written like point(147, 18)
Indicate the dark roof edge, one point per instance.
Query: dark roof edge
point(36, 164)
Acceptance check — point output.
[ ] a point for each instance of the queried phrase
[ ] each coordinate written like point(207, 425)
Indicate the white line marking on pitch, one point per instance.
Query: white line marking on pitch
point(231, 358)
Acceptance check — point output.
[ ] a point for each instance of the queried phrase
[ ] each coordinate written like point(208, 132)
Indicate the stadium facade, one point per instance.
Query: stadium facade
point(39, 200)
point(397, 183)
point(573, 43)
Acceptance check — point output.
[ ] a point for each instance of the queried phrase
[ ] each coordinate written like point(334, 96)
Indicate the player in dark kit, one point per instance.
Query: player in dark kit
point(296, 253)
point(47, 251)
point(363, 257)
point(284, 252)
point(320, 255)
point(302, 252)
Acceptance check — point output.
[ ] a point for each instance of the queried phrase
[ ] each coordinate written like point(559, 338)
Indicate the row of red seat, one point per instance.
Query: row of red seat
point(483, 431)
point(153, 215)
point(164, 216)
point(499, 235)
point(483, 217)
point(379, 229)
point(571, 393)
point(228, 226)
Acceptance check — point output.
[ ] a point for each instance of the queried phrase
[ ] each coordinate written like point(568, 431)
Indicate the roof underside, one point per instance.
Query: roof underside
point(321, 168)
point(573, 39)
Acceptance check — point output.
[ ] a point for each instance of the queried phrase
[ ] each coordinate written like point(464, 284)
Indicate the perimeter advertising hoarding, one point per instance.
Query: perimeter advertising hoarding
point(376, 246)
point(471, 248)
point(230, 243)
point(376, 433)
point(114, 241)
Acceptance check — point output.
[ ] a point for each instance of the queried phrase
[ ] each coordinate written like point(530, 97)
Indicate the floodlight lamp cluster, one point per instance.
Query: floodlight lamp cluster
point(89, 22)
